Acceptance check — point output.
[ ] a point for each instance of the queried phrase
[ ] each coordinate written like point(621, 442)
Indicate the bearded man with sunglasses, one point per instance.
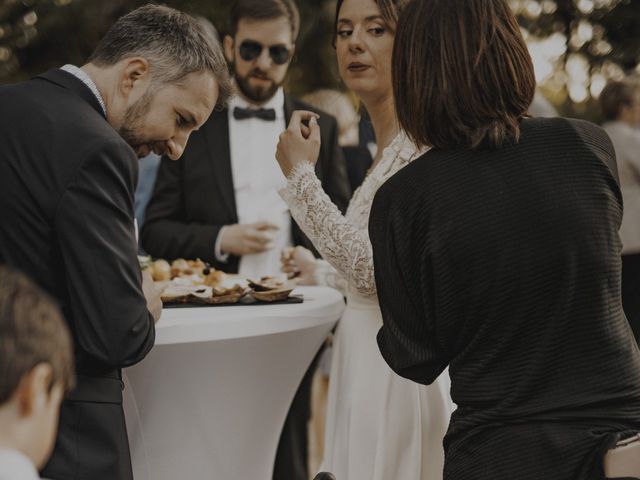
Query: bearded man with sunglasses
point(220, 202)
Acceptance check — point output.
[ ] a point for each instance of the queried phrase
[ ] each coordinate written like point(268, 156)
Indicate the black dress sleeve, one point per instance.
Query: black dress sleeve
point(407, 339)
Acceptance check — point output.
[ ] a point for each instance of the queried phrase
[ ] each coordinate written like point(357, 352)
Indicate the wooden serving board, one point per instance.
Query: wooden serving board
point(247, 300)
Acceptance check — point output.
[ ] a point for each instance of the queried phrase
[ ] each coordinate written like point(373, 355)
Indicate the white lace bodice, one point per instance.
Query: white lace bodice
point(343, 241)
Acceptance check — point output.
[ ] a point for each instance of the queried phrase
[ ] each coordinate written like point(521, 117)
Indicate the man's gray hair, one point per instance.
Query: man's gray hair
point(173, 43)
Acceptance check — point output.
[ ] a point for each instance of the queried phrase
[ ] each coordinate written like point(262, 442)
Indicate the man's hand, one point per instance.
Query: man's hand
point(248, 238)
point(152, 294)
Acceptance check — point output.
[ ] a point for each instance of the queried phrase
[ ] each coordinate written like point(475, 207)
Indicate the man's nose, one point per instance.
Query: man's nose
point(176, 145)
point(264, 60)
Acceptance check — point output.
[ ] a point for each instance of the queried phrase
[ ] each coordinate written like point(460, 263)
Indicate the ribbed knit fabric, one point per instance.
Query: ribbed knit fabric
point(505, 265)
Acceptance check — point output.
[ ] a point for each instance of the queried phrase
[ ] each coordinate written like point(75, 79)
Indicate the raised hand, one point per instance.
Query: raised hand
point(299, 143)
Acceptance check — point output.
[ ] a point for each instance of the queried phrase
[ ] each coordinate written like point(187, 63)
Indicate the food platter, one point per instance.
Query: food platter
point(195, 283)
point(202, 294)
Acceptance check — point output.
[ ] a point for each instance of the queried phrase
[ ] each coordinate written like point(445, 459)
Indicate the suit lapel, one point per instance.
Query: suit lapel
point(218, 154)
point(289, 107)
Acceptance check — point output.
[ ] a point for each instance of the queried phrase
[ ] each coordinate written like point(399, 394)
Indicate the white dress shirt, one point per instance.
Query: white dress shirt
point(257, 179)
point(15, 465)
point(626, 141)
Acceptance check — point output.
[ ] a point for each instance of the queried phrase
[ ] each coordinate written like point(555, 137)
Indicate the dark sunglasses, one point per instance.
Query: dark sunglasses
point(250, 50)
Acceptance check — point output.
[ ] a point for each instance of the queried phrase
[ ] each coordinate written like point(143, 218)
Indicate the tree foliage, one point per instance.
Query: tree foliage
point(594, 40)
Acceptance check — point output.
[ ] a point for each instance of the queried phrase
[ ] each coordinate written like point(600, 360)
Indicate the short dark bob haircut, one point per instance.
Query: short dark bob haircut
point(462, 73)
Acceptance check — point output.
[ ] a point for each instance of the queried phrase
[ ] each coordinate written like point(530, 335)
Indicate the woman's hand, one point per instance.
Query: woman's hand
point(300, 263)
point(299, 143)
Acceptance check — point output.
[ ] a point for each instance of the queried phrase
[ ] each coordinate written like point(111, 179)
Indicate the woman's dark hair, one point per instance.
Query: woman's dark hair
point(615, 96)
point(389, 10)
point(462, 74)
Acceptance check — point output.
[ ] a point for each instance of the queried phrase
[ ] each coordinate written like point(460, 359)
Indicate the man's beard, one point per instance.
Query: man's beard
point(257, 94)
point(131, 128)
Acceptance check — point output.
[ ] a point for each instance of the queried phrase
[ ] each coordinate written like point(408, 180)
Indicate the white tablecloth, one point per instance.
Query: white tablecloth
point(210, 399)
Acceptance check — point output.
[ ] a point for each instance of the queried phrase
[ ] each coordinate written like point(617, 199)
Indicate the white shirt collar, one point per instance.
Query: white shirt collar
point(86, 79)
point(276, 102)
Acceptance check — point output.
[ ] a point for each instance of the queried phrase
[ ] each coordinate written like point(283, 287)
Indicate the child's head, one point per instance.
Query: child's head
point(36, 366)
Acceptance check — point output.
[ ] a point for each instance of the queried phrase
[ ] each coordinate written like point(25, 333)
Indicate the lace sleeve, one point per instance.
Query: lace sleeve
point(344, 246)
point(325, 274)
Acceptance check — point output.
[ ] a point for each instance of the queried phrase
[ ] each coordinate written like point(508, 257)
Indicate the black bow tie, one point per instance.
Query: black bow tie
point(261, 113)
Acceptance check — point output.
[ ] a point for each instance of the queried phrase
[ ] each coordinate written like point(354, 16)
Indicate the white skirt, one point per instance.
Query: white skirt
point(380, 426)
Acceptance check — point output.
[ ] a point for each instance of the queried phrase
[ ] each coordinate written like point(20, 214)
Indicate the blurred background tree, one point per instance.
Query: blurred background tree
point(577, 45)
point(36, 35)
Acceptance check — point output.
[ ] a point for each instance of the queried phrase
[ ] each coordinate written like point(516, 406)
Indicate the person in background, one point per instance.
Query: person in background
point(220, 202)
point(69, 146)
point(339, 105)
point(620, 103)
point(36, 371)
point(497, 254)
point(229, 213)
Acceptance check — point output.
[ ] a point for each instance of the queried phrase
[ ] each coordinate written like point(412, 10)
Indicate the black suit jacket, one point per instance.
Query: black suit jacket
point(66, 196)
point(194, 197)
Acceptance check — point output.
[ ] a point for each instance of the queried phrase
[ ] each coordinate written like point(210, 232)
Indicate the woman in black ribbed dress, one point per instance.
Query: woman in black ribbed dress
point(497, 254)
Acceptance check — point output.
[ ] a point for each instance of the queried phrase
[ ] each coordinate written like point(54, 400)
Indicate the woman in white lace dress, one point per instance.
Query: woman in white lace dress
point(379, 425)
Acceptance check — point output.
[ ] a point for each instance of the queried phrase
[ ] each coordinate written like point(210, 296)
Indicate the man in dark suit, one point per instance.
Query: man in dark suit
point(220, 203)
point(68, 169)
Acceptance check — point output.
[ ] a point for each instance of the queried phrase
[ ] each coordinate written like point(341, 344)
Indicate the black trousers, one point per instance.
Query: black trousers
point(92, 439)
point(631, 291)
point(293, 449)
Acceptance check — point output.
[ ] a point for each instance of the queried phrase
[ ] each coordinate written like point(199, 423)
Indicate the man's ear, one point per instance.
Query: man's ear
point(135, 71)
point(33, 390)
point(228, 45)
